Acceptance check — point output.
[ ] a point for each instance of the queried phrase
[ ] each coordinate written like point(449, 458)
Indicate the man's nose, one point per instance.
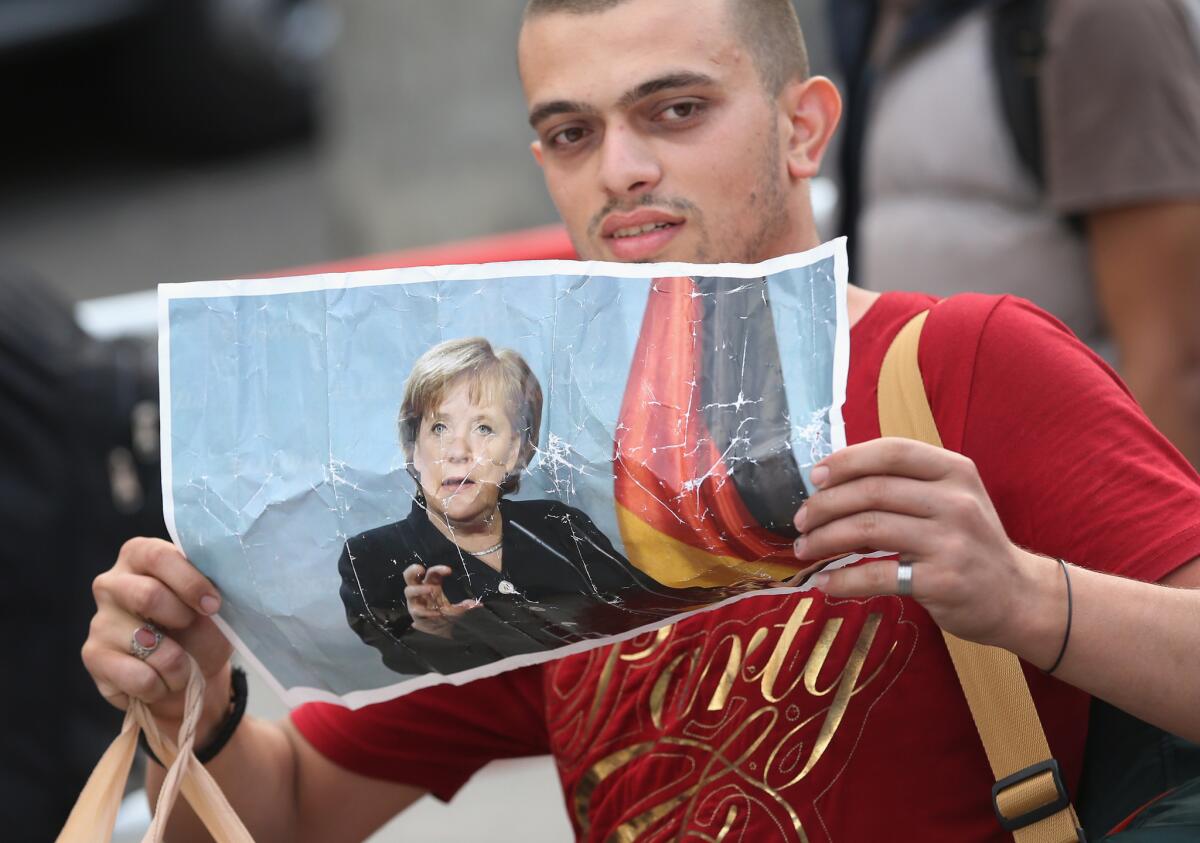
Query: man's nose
point(628, 164)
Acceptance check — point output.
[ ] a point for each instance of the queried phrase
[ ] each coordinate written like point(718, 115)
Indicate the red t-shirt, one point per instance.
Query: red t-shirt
point(805, 718)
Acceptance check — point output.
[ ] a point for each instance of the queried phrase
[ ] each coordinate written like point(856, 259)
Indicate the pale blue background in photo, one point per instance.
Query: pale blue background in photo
point(284, 428)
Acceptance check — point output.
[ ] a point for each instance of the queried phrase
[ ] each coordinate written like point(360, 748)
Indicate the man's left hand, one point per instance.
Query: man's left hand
point(929, 506)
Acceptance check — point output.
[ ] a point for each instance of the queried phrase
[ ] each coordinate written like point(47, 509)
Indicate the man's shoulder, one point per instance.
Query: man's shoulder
point(970, 317)
point(966, 316)
point(960, 317)
point(955, 318)
point(970, 331)
point(963, 335)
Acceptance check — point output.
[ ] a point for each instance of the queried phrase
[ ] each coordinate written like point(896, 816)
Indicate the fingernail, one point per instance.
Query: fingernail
point(799, 545)
point(209, 604)
point(801, 517)
point(820, 580)
point(819, 475)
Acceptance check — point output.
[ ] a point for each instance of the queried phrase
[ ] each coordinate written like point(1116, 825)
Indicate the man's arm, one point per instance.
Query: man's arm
point(285, 790)
point(1146, 262)
point(1134, 644)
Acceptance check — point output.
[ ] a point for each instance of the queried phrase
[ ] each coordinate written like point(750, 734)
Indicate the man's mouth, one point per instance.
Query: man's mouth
point(634, 231)
point(634, 223)
point(640, 235)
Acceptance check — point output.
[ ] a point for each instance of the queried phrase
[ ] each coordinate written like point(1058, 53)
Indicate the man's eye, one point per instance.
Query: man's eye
point(681, 111)
point(486, 429)
point(438, 428)
point(568, 136)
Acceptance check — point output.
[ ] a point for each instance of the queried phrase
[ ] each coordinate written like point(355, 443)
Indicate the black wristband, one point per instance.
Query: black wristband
point(237, 709)
point(1062, 651)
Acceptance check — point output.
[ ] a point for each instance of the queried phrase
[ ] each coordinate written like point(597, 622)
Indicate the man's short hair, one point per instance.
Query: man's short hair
point(769, 28)
point(502, 374)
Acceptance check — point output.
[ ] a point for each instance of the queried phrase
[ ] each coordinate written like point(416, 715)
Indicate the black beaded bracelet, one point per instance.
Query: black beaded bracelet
point(1062, 651)
point(237, 703)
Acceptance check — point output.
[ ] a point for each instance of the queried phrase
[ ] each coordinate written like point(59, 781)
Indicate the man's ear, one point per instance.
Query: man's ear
point(536, 149)
point(811, 110)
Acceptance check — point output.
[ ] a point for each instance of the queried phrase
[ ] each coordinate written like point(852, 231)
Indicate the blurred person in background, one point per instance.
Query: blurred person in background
point(1046, 148)
point(78, 476)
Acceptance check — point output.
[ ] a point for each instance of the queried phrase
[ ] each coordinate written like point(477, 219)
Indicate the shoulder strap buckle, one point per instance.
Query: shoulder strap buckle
point(1032, 784)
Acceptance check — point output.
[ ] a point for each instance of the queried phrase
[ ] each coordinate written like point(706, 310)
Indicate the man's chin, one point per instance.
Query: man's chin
point(671, 255)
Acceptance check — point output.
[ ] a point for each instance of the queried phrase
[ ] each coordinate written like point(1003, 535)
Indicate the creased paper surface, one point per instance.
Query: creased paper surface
point(661, 438)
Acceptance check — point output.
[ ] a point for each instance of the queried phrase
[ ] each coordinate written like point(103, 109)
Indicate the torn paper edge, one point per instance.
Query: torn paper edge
point(299, 695)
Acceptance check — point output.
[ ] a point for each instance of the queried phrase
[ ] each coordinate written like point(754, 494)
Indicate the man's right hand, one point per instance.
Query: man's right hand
point(280, 786)
point(152, 581)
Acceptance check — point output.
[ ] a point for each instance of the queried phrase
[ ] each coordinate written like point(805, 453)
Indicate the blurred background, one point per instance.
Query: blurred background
point(150, 141)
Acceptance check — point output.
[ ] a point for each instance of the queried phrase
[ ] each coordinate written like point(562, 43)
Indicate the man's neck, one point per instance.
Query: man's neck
point(858, 302)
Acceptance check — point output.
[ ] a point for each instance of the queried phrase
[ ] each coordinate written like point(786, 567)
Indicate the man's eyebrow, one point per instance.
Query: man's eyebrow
point(549, 109)
point(682, 79)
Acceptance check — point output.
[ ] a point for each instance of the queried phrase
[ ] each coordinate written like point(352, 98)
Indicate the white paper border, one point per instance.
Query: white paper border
point(841, 343)
point(299, 695)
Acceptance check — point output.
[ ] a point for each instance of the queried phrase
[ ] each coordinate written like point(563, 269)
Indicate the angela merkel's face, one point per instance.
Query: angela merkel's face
point(464, 449)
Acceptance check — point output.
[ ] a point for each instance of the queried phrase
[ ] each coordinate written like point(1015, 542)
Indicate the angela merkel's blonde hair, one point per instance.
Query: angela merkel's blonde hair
point(503, 374)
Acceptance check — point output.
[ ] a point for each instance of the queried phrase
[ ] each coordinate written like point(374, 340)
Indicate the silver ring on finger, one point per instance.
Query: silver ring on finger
point(904, 579)
point(145, 640)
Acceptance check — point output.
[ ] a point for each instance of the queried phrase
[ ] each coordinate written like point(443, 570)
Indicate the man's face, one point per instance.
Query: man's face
point(655, 135)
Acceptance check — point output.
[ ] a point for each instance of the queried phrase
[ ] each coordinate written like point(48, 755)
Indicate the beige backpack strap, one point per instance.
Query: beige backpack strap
point(1029, 797)
point(95, 812)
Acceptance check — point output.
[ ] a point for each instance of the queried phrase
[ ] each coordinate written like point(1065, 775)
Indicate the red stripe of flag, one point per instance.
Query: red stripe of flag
point(668, 471)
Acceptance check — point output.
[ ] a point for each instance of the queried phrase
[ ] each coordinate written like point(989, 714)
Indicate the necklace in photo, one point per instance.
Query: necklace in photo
point(486, 550)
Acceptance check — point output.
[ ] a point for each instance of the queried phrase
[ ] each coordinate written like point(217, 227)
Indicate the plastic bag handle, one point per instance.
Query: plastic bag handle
point(95, 812)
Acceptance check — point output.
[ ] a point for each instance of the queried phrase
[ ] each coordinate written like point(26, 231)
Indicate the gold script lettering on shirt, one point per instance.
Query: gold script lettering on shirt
point(677, 688)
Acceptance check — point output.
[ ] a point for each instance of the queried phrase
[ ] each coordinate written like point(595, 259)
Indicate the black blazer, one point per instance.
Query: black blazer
point(561, 581)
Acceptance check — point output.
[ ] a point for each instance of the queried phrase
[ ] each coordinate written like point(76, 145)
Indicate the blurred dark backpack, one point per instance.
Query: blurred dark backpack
point(1018, 47)
point(79, 474)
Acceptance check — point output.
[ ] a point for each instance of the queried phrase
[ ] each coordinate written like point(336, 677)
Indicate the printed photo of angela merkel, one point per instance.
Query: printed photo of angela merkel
point(472, 576)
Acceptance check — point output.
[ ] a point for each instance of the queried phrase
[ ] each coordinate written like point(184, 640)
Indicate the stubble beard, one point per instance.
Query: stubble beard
point(767, 203)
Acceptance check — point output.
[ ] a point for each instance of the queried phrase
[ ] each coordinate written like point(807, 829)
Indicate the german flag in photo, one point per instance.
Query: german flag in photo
point(706, 484)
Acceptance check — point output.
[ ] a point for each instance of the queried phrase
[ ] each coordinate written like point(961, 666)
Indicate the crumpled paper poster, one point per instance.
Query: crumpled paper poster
point(406, 477)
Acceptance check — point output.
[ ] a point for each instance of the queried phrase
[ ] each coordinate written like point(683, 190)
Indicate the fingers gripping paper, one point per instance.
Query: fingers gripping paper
point(407, 477)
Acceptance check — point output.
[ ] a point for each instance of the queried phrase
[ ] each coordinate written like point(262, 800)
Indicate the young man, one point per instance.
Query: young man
point(688, 130)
